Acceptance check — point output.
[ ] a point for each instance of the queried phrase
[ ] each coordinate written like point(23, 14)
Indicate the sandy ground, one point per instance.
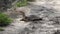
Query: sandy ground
point(17, 26)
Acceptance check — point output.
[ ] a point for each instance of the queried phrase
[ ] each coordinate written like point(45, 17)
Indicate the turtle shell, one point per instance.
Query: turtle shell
point(31, 18)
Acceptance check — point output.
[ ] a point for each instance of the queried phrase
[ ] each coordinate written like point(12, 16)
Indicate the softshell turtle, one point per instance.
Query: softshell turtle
point(31, 18)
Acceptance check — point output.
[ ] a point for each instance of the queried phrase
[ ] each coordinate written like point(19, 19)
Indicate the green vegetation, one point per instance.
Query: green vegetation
point(30, 0)
point(21, 3)
point(4, 20)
